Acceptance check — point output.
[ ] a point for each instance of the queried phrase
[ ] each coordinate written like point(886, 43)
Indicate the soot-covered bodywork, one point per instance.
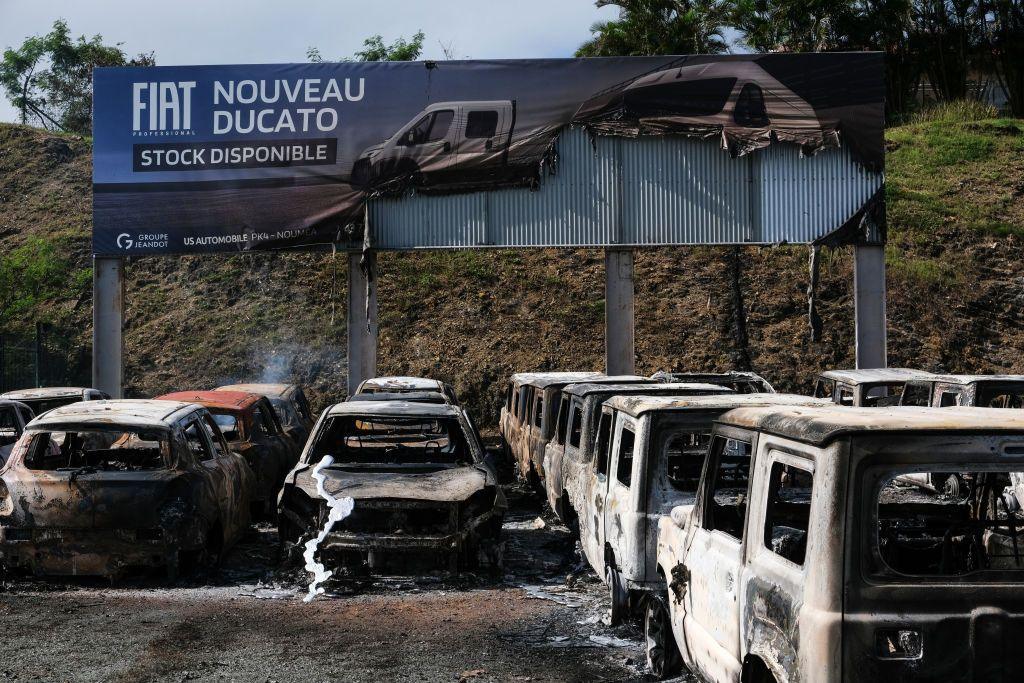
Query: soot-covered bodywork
point(403, 385)
point(740, 381)
point(107, 487)
point(43, 399)
point(810, 559)
point(252, 430)
point(425, 494)
point(290, 404)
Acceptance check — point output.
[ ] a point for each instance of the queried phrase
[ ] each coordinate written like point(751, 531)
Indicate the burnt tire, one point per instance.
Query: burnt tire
point(663, 658)
point(618, 596)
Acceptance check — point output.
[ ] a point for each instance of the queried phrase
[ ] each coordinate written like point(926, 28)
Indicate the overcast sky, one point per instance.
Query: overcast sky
point(271, 31)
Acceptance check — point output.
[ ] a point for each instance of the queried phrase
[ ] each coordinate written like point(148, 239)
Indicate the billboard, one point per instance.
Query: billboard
point(255, 157)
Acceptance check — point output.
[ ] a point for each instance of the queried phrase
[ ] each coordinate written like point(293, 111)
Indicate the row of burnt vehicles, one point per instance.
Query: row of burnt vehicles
point(863, 534)
point(101, 487)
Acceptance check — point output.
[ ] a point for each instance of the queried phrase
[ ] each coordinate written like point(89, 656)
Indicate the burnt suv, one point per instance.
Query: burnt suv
point(424, 491)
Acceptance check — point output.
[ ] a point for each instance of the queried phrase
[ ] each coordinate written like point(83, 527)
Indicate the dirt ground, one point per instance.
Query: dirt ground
point(540, 622)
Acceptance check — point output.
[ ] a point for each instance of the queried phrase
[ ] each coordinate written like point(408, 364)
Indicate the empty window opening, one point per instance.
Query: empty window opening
point(601, 446)
point(949, 399)
point(917, 395)
point(880, 395)
point(106, 450)
point(727, 507)
point(788, 512)
point(995, 397)
point(684, 459)
point(576, 430)
point(941, 523)
point(371, 440)
point(624, 467)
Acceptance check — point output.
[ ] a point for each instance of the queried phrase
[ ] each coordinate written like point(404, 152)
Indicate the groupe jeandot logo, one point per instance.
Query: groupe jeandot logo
point(125, 241)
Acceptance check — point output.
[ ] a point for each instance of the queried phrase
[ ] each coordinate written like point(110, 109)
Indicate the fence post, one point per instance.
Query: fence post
point(39, 353)
point(3, 363)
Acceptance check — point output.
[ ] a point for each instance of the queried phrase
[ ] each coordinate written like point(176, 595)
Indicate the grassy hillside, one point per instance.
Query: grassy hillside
point(956, 286)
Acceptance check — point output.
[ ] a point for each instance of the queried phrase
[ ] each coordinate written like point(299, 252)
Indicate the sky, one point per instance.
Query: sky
point(270, 31)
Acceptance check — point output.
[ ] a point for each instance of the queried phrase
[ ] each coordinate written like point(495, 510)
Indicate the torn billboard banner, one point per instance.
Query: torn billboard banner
point(199, 159)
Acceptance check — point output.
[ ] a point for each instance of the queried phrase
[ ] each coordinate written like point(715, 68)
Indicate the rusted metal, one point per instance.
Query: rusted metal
point(290, 404)
point(424, 490)
point(253, 430)
point(105, 487)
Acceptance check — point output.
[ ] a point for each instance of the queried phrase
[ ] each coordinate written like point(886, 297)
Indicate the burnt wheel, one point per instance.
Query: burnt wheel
point(617, 594)
point(663, 657)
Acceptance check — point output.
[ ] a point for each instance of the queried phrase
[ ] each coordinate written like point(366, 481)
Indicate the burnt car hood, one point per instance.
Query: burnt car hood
point(448, 485)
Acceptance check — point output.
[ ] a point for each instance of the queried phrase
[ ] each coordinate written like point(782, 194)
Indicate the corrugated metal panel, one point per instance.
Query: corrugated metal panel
point(646, 191)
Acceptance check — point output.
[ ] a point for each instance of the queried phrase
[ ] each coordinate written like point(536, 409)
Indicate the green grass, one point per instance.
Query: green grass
point(948, 168)
point(34, 272)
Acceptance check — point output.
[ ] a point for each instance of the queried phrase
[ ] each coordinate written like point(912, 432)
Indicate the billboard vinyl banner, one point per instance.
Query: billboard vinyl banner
point(251, 157)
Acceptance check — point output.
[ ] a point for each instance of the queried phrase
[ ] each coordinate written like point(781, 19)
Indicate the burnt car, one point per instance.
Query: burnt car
point(983, 391)
point(409, 397)
point(425, 492)
point(804, 557)
point(107, 487)
point(404, 385)
point(13, 418)
point(740, 381)
point(871, 388)
point(290, 404)
point(47, 398)
point(252, 430)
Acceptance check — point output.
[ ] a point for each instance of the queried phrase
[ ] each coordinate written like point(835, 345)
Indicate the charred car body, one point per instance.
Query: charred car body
point(871, 388)
point(983, 391)
point(403, 385)
point(425, 493)
point(290, 404)
point(13, 418)
point(105, 487)
point(739, 381)
point(47, 398)
point(527, 421)
point(251, 428)
point(648, 454)
point(805, 557)
point(570, 449)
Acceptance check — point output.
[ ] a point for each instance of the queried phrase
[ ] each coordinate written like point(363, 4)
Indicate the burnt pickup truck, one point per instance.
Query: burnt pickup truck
point(804, 556)
point(108, 487)
point(983, 391)
point(647, 457)
point(425, 492)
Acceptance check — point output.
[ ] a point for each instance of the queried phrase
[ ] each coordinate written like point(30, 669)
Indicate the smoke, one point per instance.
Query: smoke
point(339, 510)
point(278, 366)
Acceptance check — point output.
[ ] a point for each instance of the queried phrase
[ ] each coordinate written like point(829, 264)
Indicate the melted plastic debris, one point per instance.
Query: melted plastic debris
point(340, 508)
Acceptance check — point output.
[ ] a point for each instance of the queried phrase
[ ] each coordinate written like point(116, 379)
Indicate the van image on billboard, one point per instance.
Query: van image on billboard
point(443, 139)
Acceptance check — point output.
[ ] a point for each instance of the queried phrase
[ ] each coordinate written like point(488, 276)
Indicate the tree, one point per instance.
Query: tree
point(49, 78)
point(374, 50)
point(947, 36)
point(659, 27)
point(793, 25)
point(1004, 37)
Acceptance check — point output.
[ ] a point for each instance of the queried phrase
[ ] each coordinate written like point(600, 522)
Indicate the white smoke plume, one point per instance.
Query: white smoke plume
point(339, 509)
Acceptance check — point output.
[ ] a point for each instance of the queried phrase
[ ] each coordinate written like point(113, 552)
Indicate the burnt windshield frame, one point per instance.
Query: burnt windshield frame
point(881, 468)
point(459, 451)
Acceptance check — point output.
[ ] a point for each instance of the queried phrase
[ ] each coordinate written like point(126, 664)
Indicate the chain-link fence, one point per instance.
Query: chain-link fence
point(47, 358)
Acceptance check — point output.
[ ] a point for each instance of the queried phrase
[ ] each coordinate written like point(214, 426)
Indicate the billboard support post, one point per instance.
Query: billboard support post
point(618, 312)
point(869, 305)
point(107, 324)
point(362, 318)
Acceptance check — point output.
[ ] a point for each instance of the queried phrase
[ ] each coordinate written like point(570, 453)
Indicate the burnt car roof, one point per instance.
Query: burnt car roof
point(402, 383)
point(12, 402)
point(821, 425)
point(394, 408)
point(264, 388)
point(546, 379)
point(234, 400)
point(971, 379)
point(875, 375)
point(408, 396)
point(134, 412)
point(45, 392)
point(638, 405)
point(586, 388)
